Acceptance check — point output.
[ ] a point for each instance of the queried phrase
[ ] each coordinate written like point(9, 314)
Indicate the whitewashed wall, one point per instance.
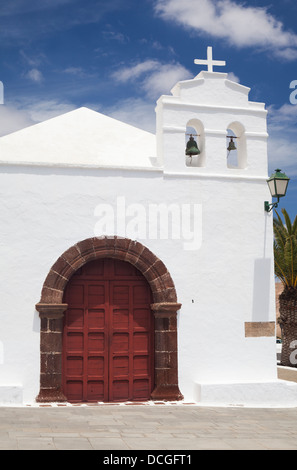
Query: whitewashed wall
point(223, 276)
point(223, 282)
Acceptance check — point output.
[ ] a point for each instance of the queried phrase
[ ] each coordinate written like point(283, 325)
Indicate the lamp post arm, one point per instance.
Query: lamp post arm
point(268, 207)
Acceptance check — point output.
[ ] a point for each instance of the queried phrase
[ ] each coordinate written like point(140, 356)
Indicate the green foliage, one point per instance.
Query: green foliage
point(285, 249)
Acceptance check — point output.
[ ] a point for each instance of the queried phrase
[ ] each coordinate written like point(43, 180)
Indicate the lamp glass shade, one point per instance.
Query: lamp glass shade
point(278, 184)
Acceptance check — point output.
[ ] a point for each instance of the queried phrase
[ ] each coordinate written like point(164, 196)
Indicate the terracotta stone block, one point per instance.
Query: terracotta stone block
point(142, 266)
point(135, 248)
point(162, 359)
point(132, 258)
point(158, 269)
point(50, 380)
point(173, 323)
point(55, 281)
point(50, 363)
point(50, 342)
point(99, 245)
point(43, 324)
point(156, 285)
point(86, 248)
point(121, 247)
point(72, 255)
point(165, 341)
point(171, 376)
point(165, 308)
point(63, 268)
point(110, 247)
point(166, 295)
point(162, 324)
point(49, 296)
point(166, 281)
point(167, 393)
point(51, 310)
point(148, 256)
point(55, 325)
point(48, 395)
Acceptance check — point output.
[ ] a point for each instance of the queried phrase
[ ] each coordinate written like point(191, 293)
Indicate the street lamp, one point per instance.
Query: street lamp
point(278, 184)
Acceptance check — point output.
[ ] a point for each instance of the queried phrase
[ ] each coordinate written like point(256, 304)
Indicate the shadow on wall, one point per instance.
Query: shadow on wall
point(261, 290)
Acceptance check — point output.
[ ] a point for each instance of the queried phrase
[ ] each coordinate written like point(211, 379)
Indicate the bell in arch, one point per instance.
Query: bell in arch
point(192, 147)
point(231, 145)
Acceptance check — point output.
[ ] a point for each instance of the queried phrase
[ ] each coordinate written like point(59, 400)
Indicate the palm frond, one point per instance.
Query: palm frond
point(285, 249)
point(280, 231)
point(290, 258)
point(288, 221)
point(280, 267)
point(294, 228)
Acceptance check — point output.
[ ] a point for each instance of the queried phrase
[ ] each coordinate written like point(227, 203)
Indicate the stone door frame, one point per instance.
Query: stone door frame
point(164, 307)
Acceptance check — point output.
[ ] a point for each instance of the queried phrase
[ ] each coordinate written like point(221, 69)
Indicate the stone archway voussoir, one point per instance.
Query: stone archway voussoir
point(51, 309)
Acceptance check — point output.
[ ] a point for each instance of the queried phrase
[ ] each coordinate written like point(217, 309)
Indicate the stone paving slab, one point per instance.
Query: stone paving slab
point(164, 428)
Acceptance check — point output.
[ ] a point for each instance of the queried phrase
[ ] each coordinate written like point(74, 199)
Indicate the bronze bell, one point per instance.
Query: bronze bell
point(192, 147)
point(231, 145)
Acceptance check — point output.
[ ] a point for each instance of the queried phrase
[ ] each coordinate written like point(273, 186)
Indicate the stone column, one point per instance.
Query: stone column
point(166, 369)
point(51, 333)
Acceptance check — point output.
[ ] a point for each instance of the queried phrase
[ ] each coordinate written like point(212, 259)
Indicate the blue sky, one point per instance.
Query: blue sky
point(118, 56)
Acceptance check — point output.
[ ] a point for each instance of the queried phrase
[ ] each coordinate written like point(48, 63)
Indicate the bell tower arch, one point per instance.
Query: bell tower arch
point(195, 131)
point(211, 104)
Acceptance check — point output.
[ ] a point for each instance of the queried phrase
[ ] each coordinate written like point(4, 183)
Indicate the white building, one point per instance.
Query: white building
point(130, 271)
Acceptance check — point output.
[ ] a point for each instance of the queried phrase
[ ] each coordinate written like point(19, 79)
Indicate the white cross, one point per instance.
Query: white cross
point(210, 62)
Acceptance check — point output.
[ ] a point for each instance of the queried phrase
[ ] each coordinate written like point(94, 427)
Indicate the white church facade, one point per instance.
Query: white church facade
point(131, 271)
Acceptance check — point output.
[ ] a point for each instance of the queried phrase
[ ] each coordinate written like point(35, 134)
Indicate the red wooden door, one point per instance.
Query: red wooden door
point(108, 334)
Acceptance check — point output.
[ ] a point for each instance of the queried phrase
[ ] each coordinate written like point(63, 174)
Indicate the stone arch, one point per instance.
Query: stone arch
point(165, 306)
point(197, 126)
point(238, 130)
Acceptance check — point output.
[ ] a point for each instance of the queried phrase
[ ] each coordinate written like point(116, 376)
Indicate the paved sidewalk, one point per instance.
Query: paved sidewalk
point(143, 427)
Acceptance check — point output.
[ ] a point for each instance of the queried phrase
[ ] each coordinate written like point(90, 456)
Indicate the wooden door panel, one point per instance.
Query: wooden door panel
point(96, 319)
point(108, 334)
point(96, 295)
point(75, 342)
point(119, 294)
point(120, 390)
point(74, 390)
point(141, 342)
point(75, 366)
point(120, 319)
point(96, 366)
point(95, 390)
point(75, 318)
point(142, 389)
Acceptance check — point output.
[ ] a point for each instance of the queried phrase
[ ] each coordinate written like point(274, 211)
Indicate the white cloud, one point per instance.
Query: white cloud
point(135, 71)
point(154, 78)
point(16, 116)
point(77, 72)
point(164, 78)
point(233, 78)
point(115, 36)
point(282, 154)
point(282, 142)
point(40, 111)
point(35, 75)
point(137, 112)
point(239, 24)
point(283, 119)
point(35, 61)
point(13, 119)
